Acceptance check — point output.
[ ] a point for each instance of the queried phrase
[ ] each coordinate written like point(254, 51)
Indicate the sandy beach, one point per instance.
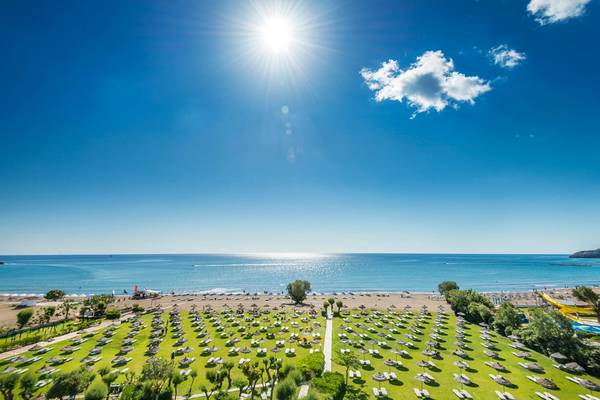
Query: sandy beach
point(9, 306)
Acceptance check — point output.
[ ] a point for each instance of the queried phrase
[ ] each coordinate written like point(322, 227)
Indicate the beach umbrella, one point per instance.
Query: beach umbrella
point(573, 366)
point(586, 383)
point(559, 357)
point(502, 381)
point(421, 378)
point(463, 380)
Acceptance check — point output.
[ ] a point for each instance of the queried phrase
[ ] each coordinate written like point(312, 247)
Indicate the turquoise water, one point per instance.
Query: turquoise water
point(256, 273)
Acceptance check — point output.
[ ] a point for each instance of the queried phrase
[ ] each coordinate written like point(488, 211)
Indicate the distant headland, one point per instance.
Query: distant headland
point(586, 254)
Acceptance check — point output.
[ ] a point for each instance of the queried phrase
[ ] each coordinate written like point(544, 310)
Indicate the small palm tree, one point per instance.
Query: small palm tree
point(177, 379)
point(193, 375)
point(348, 360)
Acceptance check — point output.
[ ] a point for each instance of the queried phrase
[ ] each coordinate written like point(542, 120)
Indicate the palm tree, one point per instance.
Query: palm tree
point(65, 310)
point(227, 367)
point(177, 379)
point(193, 375)
point(7, 385)
point(588, 295)
point(27, 385)
point(348, 360)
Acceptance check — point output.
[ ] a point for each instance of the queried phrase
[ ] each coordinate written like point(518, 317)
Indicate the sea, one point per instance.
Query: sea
point(258, 273)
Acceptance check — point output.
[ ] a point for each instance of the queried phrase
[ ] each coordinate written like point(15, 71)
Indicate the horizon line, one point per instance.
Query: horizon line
point(266, 253)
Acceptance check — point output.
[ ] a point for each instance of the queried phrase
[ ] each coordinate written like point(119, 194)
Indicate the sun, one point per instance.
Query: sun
point(277, 35)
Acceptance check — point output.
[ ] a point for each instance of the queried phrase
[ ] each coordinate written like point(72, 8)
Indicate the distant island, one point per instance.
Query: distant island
point(587, 254)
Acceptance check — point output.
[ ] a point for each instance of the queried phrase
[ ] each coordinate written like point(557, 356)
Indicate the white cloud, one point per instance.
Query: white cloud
point(506, 57)
point(551, 11)
point(429, 83)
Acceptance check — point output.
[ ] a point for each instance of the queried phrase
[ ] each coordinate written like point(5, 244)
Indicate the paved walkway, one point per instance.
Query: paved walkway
point(328, 340)
point(62, 338)
point(303, 391)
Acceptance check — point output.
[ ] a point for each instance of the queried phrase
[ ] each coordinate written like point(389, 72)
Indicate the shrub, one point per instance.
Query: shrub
point(97, 391)
point(296, 376)
point(331, 385)
point(312, 365)
point(24, 316)
point(312, 395)
point(137, 308)
point(285, 390)
point(113, 313)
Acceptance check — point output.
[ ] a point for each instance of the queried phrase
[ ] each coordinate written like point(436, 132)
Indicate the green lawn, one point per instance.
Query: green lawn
point(266, 328)
point(483, 387)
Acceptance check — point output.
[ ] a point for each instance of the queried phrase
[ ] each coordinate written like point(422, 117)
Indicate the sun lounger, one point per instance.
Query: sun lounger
point(380, 392)
point(458, 393)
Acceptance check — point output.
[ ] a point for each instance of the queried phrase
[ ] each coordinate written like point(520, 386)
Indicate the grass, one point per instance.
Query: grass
point(230, 323)
point(483, 386)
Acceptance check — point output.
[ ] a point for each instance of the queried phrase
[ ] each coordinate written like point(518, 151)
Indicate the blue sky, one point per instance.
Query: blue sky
point(159, 127)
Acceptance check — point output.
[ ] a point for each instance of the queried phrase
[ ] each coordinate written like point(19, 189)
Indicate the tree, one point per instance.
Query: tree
point(193, 375)
point(70, 384)
point(240, 384)
point(216, 378)
point(156, 372)
point(97, 391)
point(588, 295)
point(446, 286)
point(107, 376)
point(49, 313)
point(461, 300)
point(271, 367)
point(65, 310)
point(54, 294)
point(507, 319)
point(27, 385)
point(339, 305)
point(7, 385)
point(286, 389)
point(177, 380)
point(347, 360)
point(23, 317)
point(227, 367)
point(354, 393)
point(298, 290)
point(253, 373)
point(477, 312)
point(549, 332)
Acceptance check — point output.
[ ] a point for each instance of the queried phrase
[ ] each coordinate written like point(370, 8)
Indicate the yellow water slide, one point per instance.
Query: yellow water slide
point(569, 311)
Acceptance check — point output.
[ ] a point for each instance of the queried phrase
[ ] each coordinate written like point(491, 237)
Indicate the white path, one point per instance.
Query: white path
point(328, 340)
point(303, 391)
